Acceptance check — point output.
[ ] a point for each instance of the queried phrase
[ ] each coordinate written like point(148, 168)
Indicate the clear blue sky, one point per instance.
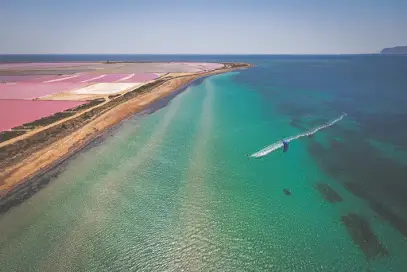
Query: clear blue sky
point(205, 26)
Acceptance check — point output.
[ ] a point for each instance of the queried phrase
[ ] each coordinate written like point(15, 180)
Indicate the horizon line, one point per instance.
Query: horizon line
point(191, 54)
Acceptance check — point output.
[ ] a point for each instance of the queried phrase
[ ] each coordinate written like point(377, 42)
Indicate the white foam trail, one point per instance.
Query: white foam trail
point(277, 145)
point(61, 79)
point(91, 79)
point(127, 77)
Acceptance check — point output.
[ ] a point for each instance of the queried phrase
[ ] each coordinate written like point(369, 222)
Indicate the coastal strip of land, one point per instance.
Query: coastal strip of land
point(25, 156)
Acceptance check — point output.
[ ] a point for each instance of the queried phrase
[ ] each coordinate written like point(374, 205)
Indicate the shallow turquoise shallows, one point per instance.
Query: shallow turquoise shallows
point(175, 190)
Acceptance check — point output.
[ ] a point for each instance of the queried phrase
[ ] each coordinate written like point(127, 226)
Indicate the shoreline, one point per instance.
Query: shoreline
point(18, 177)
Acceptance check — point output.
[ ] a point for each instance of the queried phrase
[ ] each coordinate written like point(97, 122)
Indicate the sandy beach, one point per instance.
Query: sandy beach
point(16, 174)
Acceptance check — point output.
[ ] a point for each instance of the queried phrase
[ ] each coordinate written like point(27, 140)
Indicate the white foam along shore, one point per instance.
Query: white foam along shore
point(277, 145)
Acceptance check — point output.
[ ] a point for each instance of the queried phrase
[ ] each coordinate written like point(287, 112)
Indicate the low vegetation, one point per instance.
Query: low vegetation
point(7, 135)
point(45, 121)
point(22, 148)
point(15, 151)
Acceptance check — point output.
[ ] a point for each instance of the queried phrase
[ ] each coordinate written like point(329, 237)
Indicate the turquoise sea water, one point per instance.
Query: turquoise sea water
point(174, 190)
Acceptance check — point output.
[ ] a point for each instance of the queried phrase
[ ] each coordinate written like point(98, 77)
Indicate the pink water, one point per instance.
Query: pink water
point(43, 78)
point(43, 64)
point(140, 78)
point(111, 78)
point(22, 78)
point(79, 79)
point(14, 113)
point(35, 90)
point(107, 78)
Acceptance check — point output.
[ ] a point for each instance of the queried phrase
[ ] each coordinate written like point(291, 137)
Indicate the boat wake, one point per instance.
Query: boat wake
point(277, 145)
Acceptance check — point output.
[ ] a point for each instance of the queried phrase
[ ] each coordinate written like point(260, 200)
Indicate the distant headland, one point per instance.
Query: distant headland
point(398, 50)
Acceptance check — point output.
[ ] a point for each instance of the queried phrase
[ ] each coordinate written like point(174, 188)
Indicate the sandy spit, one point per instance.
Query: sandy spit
point(39, 162)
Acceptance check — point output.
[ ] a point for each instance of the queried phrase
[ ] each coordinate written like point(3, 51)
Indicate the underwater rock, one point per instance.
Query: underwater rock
point(286, 192)
point(328, 193)
point(361, 233)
